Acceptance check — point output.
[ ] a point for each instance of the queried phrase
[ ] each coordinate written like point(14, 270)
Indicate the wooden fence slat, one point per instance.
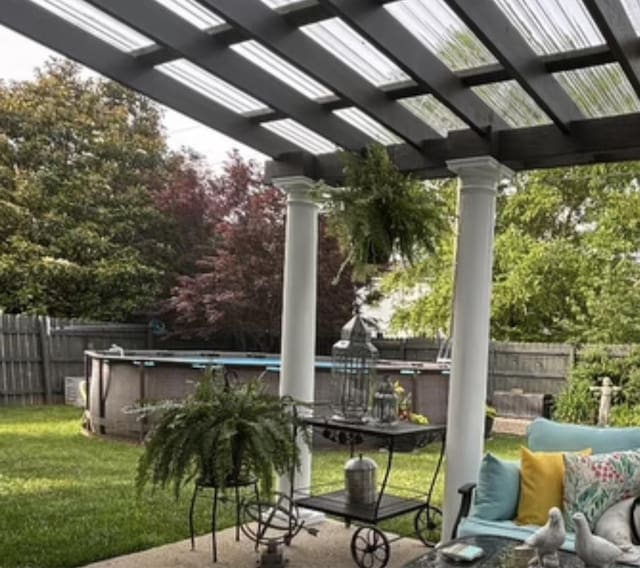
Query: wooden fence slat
point(4, 382)
point(45, 358)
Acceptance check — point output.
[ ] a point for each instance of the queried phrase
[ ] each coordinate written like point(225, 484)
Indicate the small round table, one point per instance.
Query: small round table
point(236, 485)
point(498, 551)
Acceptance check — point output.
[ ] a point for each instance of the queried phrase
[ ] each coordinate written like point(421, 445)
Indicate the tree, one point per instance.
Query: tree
point(565, 266)
point(80, 234)
point(237, 289)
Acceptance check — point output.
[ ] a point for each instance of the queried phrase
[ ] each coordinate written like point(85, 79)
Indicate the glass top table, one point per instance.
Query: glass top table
point(499, 552)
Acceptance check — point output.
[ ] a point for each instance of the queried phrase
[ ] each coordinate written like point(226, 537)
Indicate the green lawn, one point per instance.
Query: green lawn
point(67, 500)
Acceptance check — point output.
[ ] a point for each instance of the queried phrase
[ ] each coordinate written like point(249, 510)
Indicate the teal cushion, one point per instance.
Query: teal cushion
point(548, 436)
point(498, 490)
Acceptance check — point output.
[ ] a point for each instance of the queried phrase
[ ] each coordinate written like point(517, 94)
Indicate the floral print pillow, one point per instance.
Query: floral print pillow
point(593, 483)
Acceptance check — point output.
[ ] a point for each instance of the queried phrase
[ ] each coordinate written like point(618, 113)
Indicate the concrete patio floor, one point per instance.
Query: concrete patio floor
point(331, 548)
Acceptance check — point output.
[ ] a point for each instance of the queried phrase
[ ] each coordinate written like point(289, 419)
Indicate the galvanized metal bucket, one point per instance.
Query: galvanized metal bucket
point(360, 480)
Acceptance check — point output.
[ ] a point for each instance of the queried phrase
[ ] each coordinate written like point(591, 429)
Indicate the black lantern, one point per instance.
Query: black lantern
point(354, 367)
point(385, 402)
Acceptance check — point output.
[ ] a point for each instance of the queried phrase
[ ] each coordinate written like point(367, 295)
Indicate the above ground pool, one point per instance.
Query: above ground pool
point(116, 380)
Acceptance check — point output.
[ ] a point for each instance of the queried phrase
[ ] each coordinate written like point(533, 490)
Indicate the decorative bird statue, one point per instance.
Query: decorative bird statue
point(594, 551)
point(547, 539)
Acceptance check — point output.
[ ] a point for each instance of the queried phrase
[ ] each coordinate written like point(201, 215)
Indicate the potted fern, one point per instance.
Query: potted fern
point(219, 435)
point(382, 214)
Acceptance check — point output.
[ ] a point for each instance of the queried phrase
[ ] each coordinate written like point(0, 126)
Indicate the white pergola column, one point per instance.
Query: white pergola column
point(478, 181)
point(297, 373)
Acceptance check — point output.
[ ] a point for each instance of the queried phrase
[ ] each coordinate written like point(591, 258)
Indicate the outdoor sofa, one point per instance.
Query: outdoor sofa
point(484, 505)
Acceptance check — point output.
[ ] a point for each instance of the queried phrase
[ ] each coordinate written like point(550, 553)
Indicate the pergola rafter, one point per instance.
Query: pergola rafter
point(161, 25)
point(615, 26)
point(500, 36)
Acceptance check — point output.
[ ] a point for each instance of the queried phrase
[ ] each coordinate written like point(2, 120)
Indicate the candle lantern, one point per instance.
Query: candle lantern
point(354, 365)
point(385, 402)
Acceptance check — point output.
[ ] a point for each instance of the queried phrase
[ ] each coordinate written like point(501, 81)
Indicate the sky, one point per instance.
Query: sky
point(19, 56)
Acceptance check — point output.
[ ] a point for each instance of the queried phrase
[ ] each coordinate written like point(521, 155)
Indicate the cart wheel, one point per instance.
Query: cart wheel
point(370, 547)
point(427, 520)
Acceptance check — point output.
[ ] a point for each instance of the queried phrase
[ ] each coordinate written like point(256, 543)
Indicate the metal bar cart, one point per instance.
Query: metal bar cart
point(370, 546)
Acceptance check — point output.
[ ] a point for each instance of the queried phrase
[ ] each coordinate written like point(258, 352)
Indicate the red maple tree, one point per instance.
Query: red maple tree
point(235, 290)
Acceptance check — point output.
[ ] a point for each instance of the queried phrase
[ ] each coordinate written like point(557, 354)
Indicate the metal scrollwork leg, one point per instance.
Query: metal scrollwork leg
point(370, 547)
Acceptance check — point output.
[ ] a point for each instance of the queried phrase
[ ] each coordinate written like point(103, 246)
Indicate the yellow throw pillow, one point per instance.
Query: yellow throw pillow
point(541, 485)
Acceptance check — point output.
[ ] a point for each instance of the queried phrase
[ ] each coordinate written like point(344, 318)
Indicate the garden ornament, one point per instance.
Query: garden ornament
point(594, 551)
point(547, 540)
point(619, 524)
point(272, 526)
point(606, 392)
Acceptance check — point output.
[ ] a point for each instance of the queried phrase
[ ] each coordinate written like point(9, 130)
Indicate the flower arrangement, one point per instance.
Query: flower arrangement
point(404, 406)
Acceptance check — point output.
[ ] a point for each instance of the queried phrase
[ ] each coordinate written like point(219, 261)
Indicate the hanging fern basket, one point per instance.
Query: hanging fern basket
point(382, 214)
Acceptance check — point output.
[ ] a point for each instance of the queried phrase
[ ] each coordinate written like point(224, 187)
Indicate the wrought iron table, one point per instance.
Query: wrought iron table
point(370, 546)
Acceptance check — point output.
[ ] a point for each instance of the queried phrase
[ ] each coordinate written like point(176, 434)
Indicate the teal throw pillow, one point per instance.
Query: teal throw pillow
point(498, 489)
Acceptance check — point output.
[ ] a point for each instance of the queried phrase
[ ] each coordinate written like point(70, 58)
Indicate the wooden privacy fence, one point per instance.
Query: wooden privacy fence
point(38, 352)
point(539, 368)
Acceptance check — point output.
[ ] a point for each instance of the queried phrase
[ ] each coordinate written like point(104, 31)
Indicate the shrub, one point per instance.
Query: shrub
point(578, 404)
point(625, 415)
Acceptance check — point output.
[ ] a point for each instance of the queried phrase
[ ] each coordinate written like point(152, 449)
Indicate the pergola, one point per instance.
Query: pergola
point(477, 88)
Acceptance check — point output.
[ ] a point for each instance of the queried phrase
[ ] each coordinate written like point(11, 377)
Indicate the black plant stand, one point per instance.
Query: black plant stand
point(369, 545)
point(236, 485)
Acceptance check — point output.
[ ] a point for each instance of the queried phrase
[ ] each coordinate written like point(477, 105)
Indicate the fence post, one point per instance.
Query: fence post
point(45, 357)
point(572, 360)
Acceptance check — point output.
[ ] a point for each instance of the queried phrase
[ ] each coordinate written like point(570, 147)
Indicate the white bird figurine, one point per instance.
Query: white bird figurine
point(594, 551)
point(547, 540)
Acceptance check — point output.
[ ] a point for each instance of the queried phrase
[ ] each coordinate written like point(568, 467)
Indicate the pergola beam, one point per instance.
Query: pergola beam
point(610, 139)
point(617, 30)
point(498, 34)
point(382, 30)
point(258, 21)
point(160, 24)
point(56, 33)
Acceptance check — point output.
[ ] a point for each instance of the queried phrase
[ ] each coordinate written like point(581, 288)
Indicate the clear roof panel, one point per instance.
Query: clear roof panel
point(97, 23)
point(600, 91)
point(633, 11)
point(512, 103)
point(434, 113)
point(301, 136)
point(551, 26)
point(351, 48)
point(211, 86)
point(193, 12)
point(278, 3)
point(434, 24)
point(281, 69)
point(366, 124)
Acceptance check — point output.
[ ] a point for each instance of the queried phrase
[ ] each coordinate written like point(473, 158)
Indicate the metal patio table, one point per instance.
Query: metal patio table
point(370, 546)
